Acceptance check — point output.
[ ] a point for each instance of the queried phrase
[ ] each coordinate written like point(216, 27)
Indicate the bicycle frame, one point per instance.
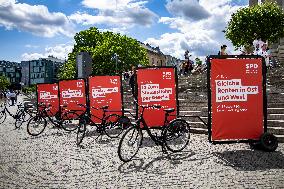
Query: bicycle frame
point(88, 117)
point(10, 114)
point(148, 130)
point(44, 113)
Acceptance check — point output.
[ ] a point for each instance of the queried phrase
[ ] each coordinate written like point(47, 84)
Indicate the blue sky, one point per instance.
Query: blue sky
point(32, 29)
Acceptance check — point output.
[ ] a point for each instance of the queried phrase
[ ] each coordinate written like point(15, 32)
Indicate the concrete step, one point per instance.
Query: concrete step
point(275, 123)
point(275, 110)
point(199, 131)
point(280, 138)
point(275, 116)
point(276, 130)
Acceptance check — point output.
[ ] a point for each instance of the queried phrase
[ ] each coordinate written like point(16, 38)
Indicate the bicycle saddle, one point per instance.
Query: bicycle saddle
point(169, 110)
point(104, 107)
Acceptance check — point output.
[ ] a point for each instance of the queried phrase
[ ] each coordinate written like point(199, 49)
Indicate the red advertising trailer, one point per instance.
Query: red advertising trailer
point(72, 94)
point(47, 95)
point(105, 91)
point(237, 105)
point(156, 86)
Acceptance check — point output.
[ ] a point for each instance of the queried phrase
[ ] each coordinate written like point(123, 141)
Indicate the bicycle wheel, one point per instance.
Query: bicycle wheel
point(70, 121)
point(3, 116)
point(81, 132)
point(19, 118)
point(176, 135)
point(130, 143)
point(36, 125)
point(113, 126)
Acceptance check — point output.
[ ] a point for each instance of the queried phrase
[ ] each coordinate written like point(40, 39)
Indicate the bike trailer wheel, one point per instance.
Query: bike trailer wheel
point(176, 135)
point(113, 126)
point(268, 142)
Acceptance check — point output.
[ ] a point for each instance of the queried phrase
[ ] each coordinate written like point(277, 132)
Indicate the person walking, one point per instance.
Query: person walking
point(132, 81)
point(223, 50)
point(265, 54)
point(12, 95)
point(187, 62)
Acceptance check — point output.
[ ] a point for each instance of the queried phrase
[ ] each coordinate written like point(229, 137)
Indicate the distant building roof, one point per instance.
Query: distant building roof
point(150, 48)
point(54, 59)
point(8, 63)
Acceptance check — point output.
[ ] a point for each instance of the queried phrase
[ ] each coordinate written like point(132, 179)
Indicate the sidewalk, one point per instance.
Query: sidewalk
point(52, 160)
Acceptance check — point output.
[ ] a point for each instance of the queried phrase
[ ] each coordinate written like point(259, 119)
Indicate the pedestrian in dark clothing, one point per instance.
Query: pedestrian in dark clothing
point(132, 81)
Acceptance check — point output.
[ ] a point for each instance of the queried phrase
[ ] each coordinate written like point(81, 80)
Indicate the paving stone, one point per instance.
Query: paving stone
point(52, 160)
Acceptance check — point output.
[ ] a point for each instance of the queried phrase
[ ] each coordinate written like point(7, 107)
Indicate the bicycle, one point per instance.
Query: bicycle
point(175, 133)
point(68, 121)
point(22, 114)
point(111, 125)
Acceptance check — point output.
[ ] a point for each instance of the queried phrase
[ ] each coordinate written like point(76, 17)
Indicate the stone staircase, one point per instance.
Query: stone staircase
point(192, 96)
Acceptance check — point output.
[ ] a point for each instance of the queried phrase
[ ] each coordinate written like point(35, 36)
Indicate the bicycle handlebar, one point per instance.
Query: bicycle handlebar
point(151, 106)
point(103, 107)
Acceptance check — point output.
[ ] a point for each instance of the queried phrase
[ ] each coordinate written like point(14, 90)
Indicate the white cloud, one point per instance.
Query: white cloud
point(60, 51)
point(116, 13)
point(35, 19)
point(201, 36)
point(190, 9)
point(112, 4)
point(31, 46)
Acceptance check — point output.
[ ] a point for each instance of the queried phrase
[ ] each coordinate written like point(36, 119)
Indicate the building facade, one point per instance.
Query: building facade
point(12, 70)
point(155, 55)
point(172, 61)
point(43, 70)
point(158, 58)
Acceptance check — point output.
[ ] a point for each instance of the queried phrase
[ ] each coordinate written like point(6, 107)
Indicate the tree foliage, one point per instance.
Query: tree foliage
point(4, 83)
point(29, 89)
point(265, 21)
point(198, 61)
point(102, 46)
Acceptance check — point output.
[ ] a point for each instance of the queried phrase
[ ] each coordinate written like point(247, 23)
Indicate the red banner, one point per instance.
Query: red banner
point(157, 86)
point(72, 93)
point(47, 95)
point(105, 90)
point(237, 99)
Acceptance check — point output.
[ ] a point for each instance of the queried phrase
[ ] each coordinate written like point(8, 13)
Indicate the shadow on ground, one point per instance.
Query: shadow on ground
point(139, 165)
point(248, 160)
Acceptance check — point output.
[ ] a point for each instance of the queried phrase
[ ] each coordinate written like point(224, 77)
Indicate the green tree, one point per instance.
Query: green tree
point(265, 21)
point(4, 83)
point(198, 61)
point(102, 46)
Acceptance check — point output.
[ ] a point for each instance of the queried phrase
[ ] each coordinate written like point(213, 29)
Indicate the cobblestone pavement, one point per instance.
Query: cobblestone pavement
point(52, 160)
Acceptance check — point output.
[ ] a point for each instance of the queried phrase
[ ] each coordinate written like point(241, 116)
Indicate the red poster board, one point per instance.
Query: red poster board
point(47, 94)
point(157, 86)
point(105, 90)
point(237, 99)
point(72, 93)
